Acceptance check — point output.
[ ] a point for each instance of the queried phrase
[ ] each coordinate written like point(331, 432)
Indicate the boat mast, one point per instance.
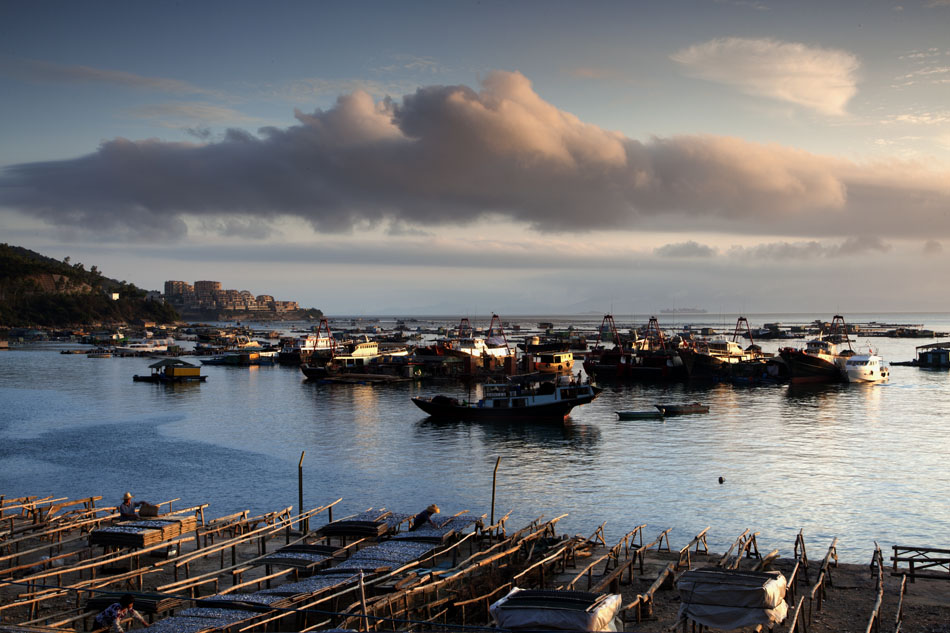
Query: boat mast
point(325, 325)
point(735, 335)
point(491, 328)
point(655, 333)
point(839, 328)
point(609, 321)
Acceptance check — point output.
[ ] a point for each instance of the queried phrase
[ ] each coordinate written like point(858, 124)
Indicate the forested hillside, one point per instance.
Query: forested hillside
point(36, 290)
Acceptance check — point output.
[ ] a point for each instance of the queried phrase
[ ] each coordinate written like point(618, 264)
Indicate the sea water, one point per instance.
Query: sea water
point(863, 463)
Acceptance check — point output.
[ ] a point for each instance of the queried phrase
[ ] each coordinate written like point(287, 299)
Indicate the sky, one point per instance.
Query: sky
point(415, 158)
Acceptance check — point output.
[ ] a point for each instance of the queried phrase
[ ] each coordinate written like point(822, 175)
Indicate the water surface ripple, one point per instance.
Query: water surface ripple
point(863, 463)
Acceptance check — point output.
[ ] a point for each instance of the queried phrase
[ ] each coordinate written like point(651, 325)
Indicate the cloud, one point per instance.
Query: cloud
point(685, 249)
point(181, 115)
point(34, 70)
point(935, 75)
point(306, 91)
point(450, 155)
point(412, 63)
point(816, 78)
point(811, 249)
point(932, 247)
point(237, 227)
point(924, 118)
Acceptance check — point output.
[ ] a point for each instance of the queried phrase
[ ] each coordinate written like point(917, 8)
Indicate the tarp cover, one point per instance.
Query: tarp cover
point(599, 616)
point(724, 599)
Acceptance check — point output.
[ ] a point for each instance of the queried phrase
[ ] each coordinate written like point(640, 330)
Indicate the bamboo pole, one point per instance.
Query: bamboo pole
point(305, 524)
point(494, 478)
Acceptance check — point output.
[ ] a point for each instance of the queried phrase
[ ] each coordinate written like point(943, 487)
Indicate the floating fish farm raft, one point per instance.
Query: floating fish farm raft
point(62, 561)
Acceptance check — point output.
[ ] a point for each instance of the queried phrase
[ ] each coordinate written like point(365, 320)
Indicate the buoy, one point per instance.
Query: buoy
point(722, 480)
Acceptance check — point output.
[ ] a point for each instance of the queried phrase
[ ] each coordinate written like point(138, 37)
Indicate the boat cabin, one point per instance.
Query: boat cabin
point(172, 370)
point(555, 362)
point(514, 395)
point(934, 355)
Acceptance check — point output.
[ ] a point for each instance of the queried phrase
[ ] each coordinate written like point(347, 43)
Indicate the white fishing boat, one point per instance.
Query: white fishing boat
point(493, 344)
point(148, 346)
point(302, 350)
point(866, 367)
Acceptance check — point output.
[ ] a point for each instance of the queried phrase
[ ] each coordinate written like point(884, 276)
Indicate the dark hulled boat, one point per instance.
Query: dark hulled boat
point(651, 357)
point(721, 359)
point(510, 402)
point(822, 360)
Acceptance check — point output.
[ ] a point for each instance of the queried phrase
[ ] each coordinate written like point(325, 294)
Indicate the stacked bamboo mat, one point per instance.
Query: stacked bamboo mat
point(125, 536)
point(371, 523)
point(142, 533)
point(170, 527)
point(440, 534)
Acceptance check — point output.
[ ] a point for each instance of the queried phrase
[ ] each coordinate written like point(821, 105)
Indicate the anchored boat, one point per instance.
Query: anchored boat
point(866, 367)
point(822, 359)
point(682, 409)
point(172, 370)
point(548, 401)
point(640, 415)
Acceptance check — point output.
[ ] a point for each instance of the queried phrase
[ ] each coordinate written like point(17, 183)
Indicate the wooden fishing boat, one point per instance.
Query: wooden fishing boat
point(640, 415)
point(548, 401)
point(682, 409)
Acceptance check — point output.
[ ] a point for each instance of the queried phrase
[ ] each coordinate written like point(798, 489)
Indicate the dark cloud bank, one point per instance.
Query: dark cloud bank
point(448, 155)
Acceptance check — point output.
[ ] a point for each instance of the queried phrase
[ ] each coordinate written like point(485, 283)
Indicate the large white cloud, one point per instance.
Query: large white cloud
point(817, 78)
point(447, 155)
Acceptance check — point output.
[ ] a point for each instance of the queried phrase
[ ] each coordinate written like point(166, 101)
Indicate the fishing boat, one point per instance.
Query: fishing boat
point(823, 358)
point(640, 415)
point(650, 357)
point(512, 402)
point(494, 344)
point(143, 348)
point(172, 370)
point(236, 358)
point(682, 409)
point(364, 358)
point(717, 358)
point(866, 367)
point(311, 348)
point(554, 362)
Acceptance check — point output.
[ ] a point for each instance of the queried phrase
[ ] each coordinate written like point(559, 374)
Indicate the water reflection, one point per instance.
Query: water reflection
point(812, 457)
point(523, 435)
point(814, 393)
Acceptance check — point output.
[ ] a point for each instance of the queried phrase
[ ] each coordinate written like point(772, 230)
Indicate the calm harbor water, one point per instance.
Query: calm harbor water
point(857, 462)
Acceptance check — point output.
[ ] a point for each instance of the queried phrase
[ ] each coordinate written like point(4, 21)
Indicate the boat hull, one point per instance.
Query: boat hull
point(807, 368)
point(450, 409)
point(167, 379)
point(682, 409)
point(639, 415)
point(637, 368)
